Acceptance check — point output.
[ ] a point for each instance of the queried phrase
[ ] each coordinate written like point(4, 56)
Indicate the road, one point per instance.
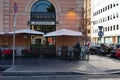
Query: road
point(63, 77)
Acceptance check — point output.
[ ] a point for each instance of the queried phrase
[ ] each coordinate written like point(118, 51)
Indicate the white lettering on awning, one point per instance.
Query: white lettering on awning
point(42, 23)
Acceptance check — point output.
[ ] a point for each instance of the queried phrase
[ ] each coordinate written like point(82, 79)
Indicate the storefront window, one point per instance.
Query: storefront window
point(118, 39)
point(108, 40)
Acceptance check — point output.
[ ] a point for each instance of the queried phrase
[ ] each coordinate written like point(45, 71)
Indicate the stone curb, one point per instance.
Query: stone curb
point(40, 73)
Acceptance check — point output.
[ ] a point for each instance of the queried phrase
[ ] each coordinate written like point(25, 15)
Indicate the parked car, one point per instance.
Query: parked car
point(113, 50)
point(118, 52)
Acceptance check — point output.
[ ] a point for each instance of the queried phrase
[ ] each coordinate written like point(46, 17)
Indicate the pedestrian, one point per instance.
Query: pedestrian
point(77, 51)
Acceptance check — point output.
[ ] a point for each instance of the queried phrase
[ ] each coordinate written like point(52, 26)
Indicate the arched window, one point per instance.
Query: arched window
point(43, 10)
point(43, 6)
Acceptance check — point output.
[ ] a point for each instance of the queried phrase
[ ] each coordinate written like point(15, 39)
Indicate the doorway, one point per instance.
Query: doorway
point(43, 18)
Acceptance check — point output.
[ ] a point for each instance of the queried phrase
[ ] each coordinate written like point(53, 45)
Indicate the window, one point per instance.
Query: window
point(117, 27)
point(108, 7)
point(105, 28)
point(88, 31)
point(99, 11)
point(108, 18)
point(113, 16)
point(114, 27)
point(43, 10)
point(117, 15)
point(103, 9)
point(111, 28)
point(108, 28)
point(111, 5)
point(117, 4)
point(43, 6)
point(103, 19)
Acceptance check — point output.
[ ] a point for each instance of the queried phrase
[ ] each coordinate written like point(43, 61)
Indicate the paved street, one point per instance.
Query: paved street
point(97, 68)
point(42, 66)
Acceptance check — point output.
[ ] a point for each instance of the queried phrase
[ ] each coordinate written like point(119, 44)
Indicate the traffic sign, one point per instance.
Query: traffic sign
point(15, 7)
point(100, 27)
point(100, 33)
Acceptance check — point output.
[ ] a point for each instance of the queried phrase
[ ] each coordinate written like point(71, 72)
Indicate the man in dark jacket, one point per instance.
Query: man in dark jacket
point(77, 51)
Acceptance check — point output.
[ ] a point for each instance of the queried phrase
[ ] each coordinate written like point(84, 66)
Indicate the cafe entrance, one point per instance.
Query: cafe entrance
point(43, 18)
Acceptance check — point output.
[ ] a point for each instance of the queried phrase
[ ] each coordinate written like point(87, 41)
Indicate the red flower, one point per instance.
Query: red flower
point(8, 51)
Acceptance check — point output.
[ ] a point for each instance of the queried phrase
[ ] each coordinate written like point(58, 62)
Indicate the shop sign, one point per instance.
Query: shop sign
point(43, 23)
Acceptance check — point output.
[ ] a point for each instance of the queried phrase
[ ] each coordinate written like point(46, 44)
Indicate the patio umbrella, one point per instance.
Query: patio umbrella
point(2, 33)
point(26, 31)
point(64, 32)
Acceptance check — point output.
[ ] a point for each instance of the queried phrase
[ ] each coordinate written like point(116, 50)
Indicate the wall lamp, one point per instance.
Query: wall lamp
point(28, 23)
point(71, 9)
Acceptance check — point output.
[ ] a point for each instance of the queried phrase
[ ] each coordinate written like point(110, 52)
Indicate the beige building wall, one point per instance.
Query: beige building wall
point(87, 17)
point(65, 18)
point(1, 15)
point(21, 15)
point(114, 39)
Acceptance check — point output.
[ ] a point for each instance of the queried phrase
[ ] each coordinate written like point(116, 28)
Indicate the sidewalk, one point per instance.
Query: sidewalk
point(50, 66)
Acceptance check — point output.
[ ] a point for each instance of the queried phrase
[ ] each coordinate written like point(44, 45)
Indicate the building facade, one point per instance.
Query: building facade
point(106, 14)
point(40, 15)
point(87, 18)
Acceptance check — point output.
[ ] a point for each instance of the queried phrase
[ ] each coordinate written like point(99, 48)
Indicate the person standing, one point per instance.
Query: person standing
point(77, 51)
point(84, 51)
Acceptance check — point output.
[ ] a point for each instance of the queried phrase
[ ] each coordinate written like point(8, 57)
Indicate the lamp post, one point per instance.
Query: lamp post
point(14, 27)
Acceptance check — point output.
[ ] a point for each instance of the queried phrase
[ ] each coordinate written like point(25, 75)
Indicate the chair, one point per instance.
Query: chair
point(64, 50)
point(59, 51)
point(70, 52)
